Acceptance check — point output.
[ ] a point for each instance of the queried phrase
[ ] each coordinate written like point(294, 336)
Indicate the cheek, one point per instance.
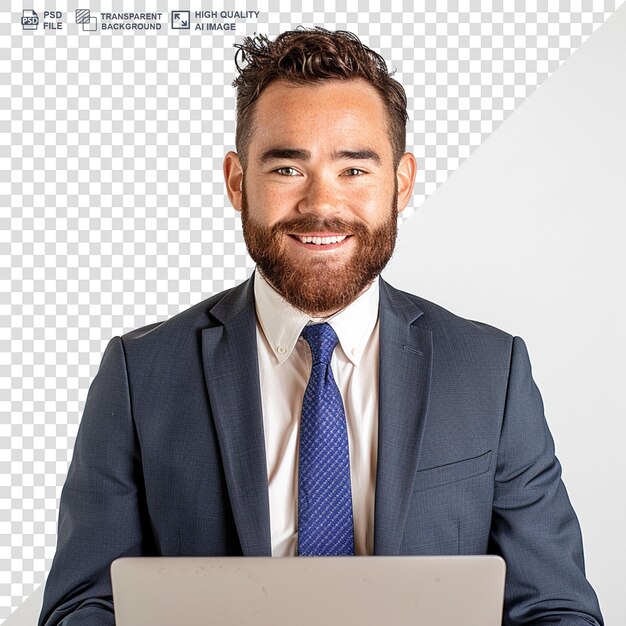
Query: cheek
point(371, 204)
point(279, 201)
point(267, 204)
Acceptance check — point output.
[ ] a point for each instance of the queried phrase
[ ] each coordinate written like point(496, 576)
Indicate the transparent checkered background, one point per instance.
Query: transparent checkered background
point(113, 211)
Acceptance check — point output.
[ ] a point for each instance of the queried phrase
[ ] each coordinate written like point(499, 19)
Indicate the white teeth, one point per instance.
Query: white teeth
point(322, 241)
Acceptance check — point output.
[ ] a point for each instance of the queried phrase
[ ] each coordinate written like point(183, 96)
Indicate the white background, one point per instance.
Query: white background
point(528, 235)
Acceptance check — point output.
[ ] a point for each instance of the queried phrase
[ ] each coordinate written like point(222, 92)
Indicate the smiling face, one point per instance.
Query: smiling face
point(319, 195)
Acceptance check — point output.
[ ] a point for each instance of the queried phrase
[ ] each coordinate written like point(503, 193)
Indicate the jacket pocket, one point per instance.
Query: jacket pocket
point(451, 472)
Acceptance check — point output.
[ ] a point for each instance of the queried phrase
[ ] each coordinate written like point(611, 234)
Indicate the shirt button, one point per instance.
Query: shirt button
point(281, 350)
point(354, 352)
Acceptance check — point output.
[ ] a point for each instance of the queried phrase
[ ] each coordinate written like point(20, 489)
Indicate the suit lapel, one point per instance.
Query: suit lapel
point(232, 378)
point(231, 372)
point(405, 368)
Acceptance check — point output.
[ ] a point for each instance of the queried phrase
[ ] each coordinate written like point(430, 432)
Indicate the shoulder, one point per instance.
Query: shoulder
point(184, 329)
point(452, 334)
point(440, 319)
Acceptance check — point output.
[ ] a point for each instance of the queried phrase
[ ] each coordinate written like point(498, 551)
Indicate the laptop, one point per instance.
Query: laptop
point(309, 591)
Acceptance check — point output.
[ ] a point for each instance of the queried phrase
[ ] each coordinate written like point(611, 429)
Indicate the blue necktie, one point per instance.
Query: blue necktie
point(325, 525)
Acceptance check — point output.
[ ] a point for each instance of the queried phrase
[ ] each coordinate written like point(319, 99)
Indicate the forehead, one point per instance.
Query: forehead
point(335, 111)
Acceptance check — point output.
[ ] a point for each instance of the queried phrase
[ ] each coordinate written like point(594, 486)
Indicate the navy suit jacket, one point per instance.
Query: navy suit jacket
point(170, 457)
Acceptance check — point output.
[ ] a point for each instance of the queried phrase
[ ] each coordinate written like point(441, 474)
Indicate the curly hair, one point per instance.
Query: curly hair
point(306, 56)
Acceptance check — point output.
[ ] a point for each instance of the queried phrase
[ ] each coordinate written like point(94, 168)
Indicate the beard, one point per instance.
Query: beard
point(323, 285)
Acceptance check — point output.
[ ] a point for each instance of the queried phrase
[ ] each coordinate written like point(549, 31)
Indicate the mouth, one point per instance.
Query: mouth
point(320, 240)
point(326, 241)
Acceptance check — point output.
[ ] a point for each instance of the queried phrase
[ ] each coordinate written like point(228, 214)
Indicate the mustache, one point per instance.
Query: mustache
point(311, 223)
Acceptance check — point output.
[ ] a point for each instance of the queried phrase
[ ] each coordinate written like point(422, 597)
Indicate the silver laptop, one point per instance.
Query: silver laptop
point(333, 591)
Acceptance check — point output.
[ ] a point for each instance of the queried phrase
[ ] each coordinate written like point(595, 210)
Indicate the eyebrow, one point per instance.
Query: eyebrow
point(358, 155)
point(275, 154)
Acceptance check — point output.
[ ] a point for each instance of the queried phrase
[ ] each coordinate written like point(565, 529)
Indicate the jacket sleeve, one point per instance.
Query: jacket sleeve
point(102, 510)
point(534, 527)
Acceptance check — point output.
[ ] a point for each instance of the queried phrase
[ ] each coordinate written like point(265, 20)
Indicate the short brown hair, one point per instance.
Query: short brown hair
point(306, 56)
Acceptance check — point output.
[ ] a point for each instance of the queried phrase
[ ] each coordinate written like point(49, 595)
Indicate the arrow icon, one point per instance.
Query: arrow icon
point(180, 19)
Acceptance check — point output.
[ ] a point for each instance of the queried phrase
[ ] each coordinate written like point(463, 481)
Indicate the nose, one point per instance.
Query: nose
point(320, 197)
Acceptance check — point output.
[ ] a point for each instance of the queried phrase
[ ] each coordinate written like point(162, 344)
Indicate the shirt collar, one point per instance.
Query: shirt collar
point(282, 323)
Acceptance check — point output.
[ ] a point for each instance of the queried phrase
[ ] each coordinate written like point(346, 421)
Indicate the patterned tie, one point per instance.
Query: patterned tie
point(325, 525)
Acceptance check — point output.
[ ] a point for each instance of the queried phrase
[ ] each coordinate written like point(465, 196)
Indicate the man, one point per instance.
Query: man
point(201, 434)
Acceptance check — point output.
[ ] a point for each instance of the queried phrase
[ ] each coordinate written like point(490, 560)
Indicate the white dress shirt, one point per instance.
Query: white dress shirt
point(284, 370)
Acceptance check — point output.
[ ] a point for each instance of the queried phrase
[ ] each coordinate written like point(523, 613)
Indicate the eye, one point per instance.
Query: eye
point(287, 171)
point(354, 171)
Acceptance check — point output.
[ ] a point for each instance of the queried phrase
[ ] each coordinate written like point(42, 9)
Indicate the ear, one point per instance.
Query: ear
point(233, 176)
point(405, 173)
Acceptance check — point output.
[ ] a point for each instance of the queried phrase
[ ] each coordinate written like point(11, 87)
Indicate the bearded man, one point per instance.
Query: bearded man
point(314, 409)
